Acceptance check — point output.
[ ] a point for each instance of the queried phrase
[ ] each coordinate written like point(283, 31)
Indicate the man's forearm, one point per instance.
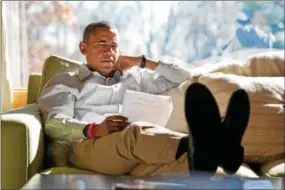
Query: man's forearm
point(150, 64)
point(171, 72)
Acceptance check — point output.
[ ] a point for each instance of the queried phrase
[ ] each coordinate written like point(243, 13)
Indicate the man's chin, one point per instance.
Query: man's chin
point(108, 72)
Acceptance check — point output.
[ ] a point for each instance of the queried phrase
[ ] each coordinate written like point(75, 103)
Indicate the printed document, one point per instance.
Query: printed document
point(140, 106)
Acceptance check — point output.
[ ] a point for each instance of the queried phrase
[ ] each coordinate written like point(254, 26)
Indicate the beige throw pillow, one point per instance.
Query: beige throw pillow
point(177, 121)
point(269, 63)
point(264, 138)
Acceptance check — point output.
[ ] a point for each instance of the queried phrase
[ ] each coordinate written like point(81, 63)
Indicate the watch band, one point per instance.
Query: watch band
point(143, 62)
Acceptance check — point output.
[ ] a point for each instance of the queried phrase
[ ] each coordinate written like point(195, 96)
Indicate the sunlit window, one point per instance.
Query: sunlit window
point(190, 32)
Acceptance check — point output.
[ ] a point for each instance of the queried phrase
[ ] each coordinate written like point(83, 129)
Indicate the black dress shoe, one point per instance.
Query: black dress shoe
point(204, 124)
point(235, 123)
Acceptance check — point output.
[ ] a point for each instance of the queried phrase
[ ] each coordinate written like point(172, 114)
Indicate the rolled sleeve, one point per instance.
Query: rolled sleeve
point(172, 72)
point(164, 77)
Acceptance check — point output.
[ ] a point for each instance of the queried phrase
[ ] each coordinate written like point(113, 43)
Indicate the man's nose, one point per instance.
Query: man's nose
point(108, 50)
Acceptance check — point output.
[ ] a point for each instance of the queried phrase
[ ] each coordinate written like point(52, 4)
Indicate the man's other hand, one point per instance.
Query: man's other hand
point(111, 124)
point(125, 62)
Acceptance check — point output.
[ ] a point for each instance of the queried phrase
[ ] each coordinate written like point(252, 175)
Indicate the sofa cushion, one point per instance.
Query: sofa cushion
point(265, 64)
point(243, 171)
point(33, 88)
point(58, 153)
point(262, 64)
point(269, 63)
point(274, 168)
point(264, 137)
point(177, 121)
point(54, 65)
point(65, 170)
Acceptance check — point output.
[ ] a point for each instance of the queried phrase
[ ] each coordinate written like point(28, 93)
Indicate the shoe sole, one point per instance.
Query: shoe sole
point(235, 123)
point(204, 126)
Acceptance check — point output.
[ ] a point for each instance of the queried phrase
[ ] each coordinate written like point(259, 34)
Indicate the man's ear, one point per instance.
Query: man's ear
point(82, 47)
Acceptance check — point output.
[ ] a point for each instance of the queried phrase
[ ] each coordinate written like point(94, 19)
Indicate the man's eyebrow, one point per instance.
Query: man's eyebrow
point(100, 41)
point(113, 43)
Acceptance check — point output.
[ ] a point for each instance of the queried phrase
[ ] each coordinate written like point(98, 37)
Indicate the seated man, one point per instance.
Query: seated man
point(75, 109)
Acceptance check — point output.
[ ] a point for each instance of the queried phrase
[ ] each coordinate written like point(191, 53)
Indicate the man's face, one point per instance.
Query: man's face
point(101, 50)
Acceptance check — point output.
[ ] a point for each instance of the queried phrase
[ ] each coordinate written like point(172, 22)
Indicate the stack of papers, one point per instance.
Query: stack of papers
point(144, 107)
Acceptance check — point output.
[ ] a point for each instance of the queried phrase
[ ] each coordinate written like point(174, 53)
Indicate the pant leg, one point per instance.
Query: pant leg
point(176, 167)
point(120, 152)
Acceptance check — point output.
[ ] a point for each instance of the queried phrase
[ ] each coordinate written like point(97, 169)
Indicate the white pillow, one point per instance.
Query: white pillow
point(269, 63)
point(177, 121)
point(264, 138)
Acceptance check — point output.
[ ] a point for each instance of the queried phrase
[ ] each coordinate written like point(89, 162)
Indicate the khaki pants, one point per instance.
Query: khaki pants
point(137, 150)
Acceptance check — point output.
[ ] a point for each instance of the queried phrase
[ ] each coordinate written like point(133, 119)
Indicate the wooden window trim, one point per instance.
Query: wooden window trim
point(19, 97)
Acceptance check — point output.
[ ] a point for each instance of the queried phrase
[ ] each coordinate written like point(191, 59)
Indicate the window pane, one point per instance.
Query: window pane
point(193, 32)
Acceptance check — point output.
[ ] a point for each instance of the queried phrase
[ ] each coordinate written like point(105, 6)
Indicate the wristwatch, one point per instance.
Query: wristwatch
point(143, 62)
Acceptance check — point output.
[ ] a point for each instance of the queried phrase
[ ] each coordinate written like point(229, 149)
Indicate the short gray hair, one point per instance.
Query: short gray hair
point(90, 28)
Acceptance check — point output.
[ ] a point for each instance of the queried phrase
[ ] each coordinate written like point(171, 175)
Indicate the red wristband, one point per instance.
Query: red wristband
point(90, 130)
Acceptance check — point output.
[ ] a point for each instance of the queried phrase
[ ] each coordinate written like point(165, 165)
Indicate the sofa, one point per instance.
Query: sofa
point(24, 143)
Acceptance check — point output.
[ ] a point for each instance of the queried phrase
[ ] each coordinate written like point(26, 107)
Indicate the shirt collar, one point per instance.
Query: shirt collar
point(84, 72)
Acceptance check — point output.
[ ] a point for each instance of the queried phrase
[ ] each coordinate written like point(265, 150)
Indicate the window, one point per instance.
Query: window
point(191, 32)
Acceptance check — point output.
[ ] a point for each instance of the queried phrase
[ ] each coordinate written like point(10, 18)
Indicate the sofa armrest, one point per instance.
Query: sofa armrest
point(22, 146)
point(33, 88)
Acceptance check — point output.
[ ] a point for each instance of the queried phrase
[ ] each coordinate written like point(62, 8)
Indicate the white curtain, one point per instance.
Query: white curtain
point(6, 97)
point(15, 36)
